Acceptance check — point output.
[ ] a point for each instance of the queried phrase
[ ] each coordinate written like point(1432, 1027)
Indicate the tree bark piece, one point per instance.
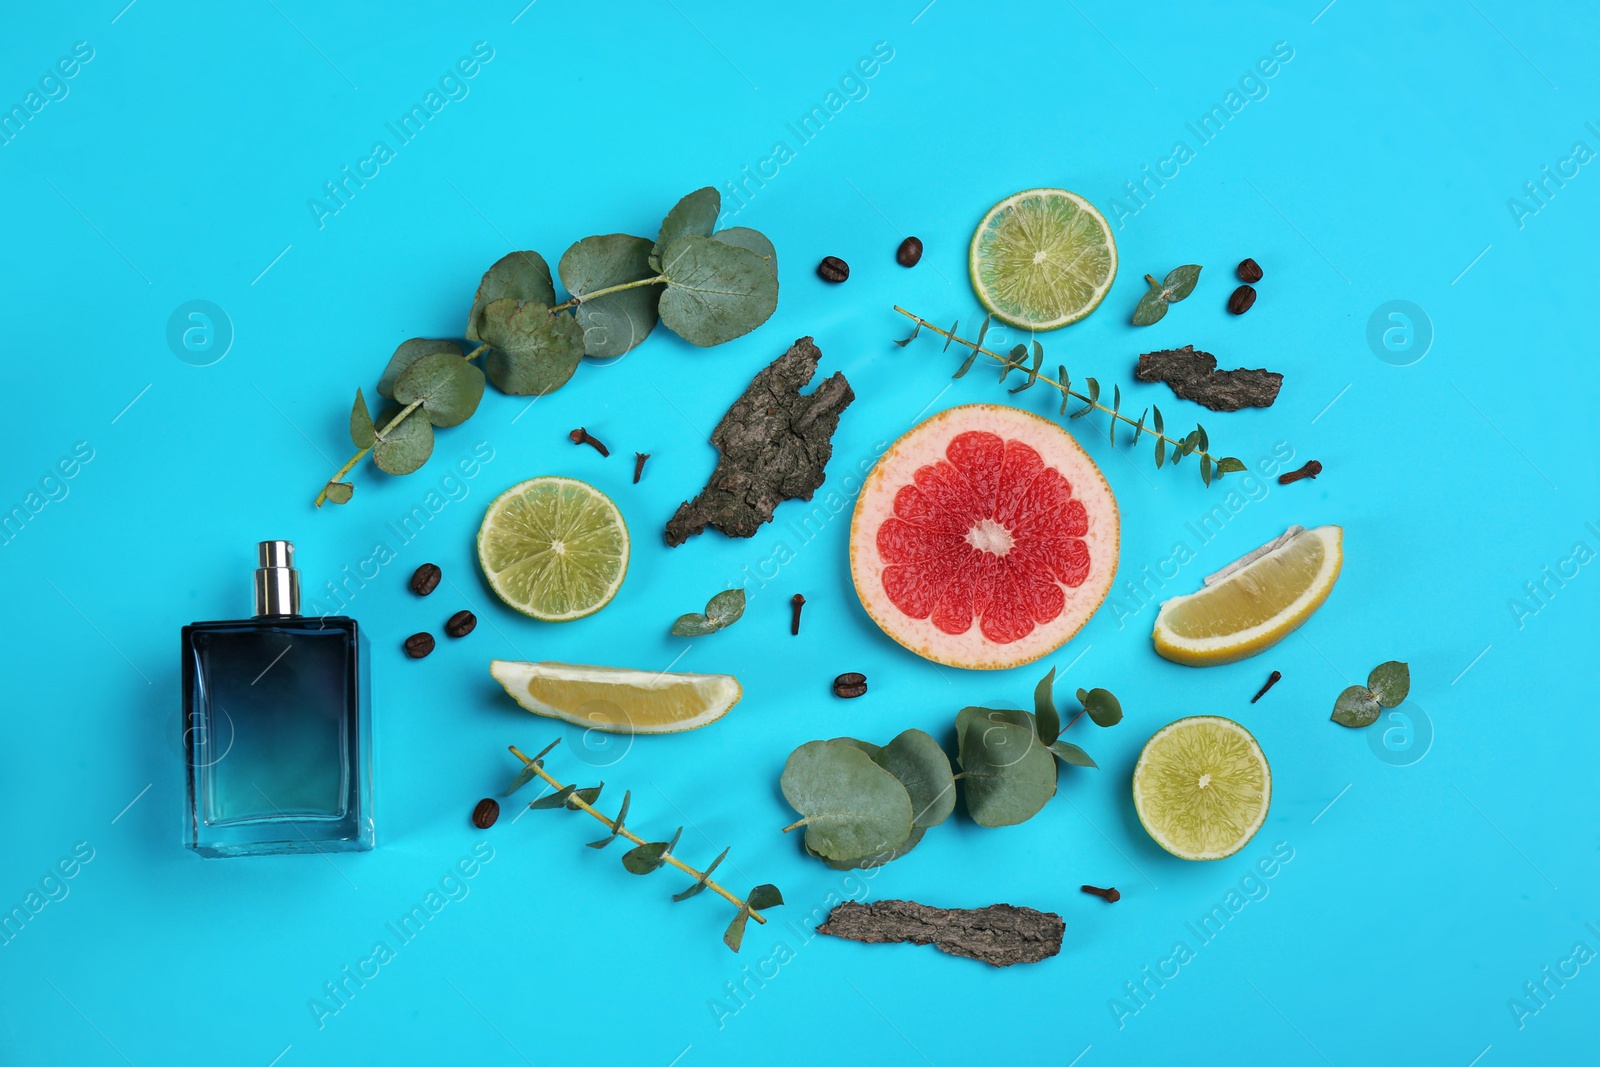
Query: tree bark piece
point(774, 444)
point(1001, 934)
point(1193, 375)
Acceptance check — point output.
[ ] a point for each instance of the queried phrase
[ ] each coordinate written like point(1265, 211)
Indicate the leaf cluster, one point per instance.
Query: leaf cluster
point(1360, 705)
point(722, 610)
point(645, 857)
point(1179, 283)
point(706, 285)
point(1030, 362)
point(863, 805)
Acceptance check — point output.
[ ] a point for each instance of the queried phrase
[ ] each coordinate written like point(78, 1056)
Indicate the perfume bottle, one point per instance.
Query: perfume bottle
point(277, 727)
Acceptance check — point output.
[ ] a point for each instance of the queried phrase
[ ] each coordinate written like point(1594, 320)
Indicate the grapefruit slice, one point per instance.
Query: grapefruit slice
point(984, 538)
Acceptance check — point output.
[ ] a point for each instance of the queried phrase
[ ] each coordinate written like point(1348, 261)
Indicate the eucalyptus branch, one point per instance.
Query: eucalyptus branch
point(646, 856)
point(1195, 441)
point(657, 279)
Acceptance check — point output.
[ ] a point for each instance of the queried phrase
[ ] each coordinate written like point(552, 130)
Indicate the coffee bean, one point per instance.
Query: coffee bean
point(1241, 300)
point(461, 624)
point(910, 252)
point(833, 269)
point(487, 811)
point(419, 645)
point(1249, 271)
point(426, 579)
point(850, 685)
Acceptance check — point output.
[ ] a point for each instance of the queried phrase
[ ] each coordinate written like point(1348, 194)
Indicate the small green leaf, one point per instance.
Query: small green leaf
point(616, 322)
point(733, 937)
point(522, 276)
point(1094, 398)
point(361, 428)
point(966, 365)
point(1201, 440)
point(726, 607)
point(1150, 309)
point(404, 447)
point(913, 336)
point(695, 215)
point(1065, 385)
point(1161, 451)
point(643, 859)
point(693, 624)
point(1083, 696)
point(530, 770)
point(1138, 430)
point(1356, 707)
point(447, 387)
point(1229, 465)
point(557, 799)
point(534, 352)
point(340, 492)
point(588, 795)
point(851, 806)
point(1390, 682)
point(763, 897)
point(754, 240)
point(1067, 752)
point(950, 337)
point(616, 824)
point(1103, 708)
point(1013, 361)
point(1044, 708)
point(408, 353)
point(917, 761)
point(983, 331)
point(1157, 413)
point(1116, 409)
point(705, 876)
point(715, 291)
point(1205, 468)
point(1008, 776)
point(1180, 282)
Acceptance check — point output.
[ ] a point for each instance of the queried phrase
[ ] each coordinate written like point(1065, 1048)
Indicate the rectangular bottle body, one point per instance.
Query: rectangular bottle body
point(278, 736)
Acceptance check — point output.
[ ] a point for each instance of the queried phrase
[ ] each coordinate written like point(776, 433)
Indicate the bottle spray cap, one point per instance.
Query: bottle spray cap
point(277, 582)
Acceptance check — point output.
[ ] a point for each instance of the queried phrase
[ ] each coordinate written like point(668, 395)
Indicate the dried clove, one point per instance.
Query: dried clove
point(1310, 470)
point(1110, 896)
point(638, 465)
point(1272, 680)
point(580, 436)
point(798, 602)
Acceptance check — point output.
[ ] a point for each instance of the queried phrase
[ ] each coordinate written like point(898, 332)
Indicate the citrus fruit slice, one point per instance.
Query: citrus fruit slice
point(1202, 787)
point(554, 548)
point(1254, 603)
point(618, 700)
point(1042, 258)
point(984, 538)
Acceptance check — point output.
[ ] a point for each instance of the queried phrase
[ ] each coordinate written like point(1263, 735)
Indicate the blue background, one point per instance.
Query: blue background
point(1375, 165)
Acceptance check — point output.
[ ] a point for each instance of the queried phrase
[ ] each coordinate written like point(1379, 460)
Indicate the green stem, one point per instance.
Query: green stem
point(658, 279)
point(1009, 362)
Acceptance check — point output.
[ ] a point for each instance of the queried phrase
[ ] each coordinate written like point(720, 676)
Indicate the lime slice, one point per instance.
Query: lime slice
point(554, 548)
point(1042, 258)
point(618, 700)
point(1202, 787)
point(1254, 603)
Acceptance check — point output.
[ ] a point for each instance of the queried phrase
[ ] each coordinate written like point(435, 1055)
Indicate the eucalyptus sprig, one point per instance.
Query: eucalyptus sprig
point(1179, 283)
point(1195, 441)
point(1360, 705)
point(722, 610)
point(645, 857)
point(707, 285)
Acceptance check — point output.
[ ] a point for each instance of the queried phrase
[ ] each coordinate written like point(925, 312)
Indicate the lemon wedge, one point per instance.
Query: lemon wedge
point(618, 700)
point(1253, 604)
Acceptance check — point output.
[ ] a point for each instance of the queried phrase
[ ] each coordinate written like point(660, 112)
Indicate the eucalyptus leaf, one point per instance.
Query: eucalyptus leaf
point(1356, 707)
point(361, 428)
point(408, 353)
point(733, 936)
point(447, 387)
point(693, 624)
point(1008, 775)
point(866, 746)
point(534, 352)
point(1103, 708)
point(693, 216)
point(1070, 753)
point(726, 607)
point(969, 715)
point(340, 492)
point(1150, 309)
point(616, 322)
point(715, 291)
point(616, 823)
point(851, 806)
point(1390, 682)
point(1044, 708)
point(1229, 465)
point(554, 800)
point(1180, 282)
point(588, 795)
point(648, 857)
point(705, 876)
point(877, 859)
point(917, 761)
point(522, 276)
point(405, 447)
point(756, 241)
point(764, 896)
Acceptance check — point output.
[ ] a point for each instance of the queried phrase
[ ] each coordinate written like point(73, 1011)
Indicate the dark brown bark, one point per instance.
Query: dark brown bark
point(1001, 934)
point(1193, 375)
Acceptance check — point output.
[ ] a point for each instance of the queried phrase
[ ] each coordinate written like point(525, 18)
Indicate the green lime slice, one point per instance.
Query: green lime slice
point(1042, 258)
point(554, 548)
point(1202, 787)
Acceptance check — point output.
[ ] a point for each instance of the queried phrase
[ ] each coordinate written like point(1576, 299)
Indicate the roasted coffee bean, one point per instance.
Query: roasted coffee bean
point(461, 624)
point(910, 252)
point(1249, 271)
point(850, 685)
point(426, 579)
point(833, 269)
point(1241, 300)
point(487, 811)
point(419, 645)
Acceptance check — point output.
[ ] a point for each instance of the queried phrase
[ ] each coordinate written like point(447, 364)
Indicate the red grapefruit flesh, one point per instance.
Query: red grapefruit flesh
point(984, 538)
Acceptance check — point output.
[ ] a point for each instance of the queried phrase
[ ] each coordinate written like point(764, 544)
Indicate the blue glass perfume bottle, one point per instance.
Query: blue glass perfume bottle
point(277, 726)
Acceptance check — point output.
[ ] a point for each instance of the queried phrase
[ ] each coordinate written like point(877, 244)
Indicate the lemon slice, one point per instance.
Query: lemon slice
point(618, 700)
point(1042, 258)
point(554, 548)
point(1202, 787)
point(1253, 604)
